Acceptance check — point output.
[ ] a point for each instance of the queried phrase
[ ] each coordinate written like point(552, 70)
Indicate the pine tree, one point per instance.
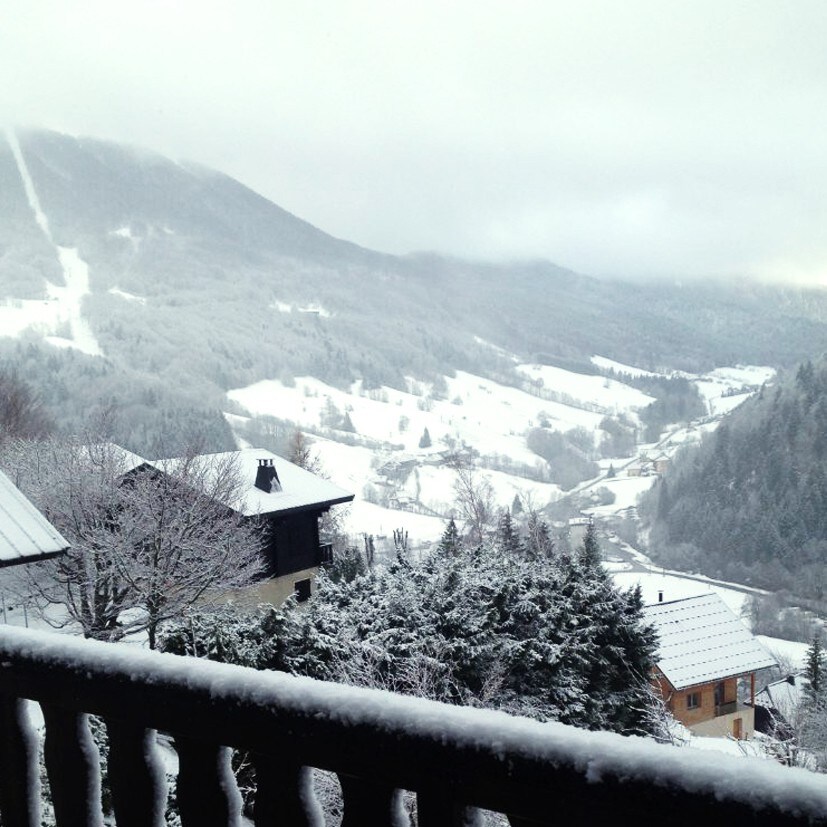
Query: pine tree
point(517, 505)
point(816, 672)
point(450, 542)
point(507, 537)
point(589, 552)
point(425, 439)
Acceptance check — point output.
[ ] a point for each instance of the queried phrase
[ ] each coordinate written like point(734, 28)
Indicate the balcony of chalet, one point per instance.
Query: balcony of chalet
point(378, 743)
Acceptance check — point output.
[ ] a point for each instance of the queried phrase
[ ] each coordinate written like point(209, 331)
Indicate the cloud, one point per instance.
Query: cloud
point(642, 138)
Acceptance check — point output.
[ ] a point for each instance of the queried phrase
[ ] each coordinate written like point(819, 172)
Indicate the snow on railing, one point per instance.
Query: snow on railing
point(377, 742)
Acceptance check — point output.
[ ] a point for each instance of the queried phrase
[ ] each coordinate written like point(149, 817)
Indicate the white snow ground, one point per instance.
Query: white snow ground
point(486, 415)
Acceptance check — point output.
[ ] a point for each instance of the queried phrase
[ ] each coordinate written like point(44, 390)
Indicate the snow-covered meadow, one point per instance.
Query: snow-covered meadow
point(488, 416)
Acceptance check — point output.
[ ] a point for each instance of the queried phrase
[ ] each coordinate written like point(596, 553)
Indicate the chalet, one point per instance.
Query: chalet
point(290, 500)
point(26, 536)
point(704, 650)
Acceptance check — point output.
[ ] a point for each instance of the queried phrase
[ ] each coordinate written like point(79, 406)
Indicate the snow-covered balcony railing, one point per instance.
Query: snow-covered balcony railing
point(377, 742)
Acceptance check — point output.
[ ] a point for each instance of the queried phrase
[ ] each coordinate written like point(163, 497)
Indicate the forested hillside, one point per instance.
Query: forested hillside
point(186, 284)
point(750, 503)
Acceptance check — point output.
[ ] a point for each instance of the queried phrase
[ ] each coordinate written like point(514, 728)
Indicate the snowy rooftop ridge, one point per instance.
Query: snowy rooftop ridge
point(25, 534)
point(701, 640)
point(297, 490)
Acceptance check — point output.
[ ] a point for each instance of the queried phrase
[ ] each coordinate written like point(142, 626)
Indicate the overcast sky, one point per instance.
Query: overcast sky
point(627, 138)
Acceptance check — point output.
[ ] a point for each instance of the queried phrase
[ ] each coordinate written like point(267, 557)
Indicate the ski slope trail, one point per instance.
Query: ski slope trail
point(64, 308)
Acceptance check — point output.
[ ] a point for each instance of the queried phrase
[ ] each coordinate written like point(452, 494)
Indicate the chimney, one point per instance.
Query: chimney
point(265, 474)
point(660, 597)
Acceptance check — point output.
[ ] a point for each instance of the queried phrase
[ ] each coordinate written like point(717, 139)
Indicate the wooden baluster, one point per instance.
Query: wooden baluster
point(136, 776)
point(19, 773)
point(438, 808)
point(284, 794)
point(207, 793)
point(73, 768)
point(367, 803)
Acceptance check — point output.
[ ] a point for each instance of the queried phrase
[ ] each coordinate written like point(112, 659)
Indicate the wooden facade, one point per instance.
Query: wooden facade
point(710, 708)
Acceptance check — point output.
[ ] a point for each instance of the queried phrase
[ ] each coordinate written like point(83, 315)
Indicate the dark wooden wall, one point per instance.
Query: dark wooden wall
point(291, 542)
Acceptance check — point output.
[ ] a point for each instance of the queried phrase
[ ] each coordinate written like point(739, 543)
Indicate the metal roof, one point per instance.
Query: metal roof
point(26, 536)
point(701, 640)
point(300, 489)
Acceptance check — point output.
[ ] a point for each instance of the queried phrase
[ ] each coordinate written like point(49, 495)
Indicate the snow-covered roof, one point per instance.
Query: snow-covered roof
point(298, 489)
point(701, 640)
point(25, 534)
point(784, 695)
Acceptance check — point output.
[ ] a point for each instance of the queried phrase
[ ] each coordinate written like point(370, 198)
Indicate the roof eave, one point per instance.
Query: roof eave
point(718, 679)
point(321, 506)
point(33, 558)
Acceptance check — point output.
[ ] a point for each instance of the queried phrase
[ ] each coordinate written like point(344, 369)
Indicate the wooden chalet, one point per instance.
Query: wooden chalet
point(26, 536)
point(703, 651)
point(290, 501)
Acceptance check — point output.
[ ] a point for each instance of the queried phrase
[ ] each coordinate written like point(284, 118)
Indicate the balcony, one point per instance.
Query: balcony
point(377, 742)
point(325, 554)
point(726, 709)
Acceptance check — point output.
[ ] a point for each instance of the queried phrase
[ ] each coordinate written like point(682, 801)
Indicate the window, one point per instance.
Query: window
point(302, 589)
point(693, 700)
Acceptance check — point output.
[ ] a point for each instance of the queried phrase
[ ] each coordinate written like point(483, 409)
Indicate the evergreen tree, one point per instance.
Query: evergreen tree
point(517, 505)
point(589, 552)
point(541, 637)
point(425, 439)
point(450, 542)
point(816, 672)
point(508, 538)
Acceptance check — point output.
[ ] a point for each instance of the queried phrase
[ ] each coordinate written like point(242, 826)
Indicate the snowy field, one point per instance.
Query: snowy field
point(595, 390)
point(488, 416)
point(61, 312)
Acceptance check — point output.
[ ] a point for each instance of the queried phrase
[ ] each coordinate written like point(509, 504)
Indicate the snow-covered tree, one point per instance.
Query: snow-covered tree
point(538, 536)
point(508, 538)
point(816, 673)
point(145, 543)
point(450, 541)
point(589, 552)
point(474, 498)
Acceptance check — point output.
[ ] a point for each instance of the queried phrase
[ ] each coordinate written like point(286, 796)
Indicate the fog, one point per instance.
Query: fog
point(641, 139)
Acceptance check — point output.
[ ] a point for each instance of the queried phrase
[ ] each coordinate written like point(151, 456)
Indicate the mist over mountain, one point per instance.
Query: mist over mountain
point(190, 284)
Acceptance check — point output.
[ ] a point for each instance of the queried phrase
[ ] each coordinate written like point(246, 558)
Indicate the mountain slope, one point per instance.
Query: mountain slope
point(751, 503)
point(196, 285)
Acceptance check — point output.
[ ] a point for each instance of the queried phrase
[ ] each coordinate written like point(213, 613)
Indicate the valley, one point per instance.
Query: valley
point(400, 483)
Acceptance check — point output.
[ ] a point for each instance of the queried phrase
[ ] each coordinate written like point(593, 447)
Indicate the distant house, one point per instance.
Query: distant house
point(776, 704)
point(660, 463)
point(703, 651)
point(26, 536)
point(290, 501)
point(648, 466)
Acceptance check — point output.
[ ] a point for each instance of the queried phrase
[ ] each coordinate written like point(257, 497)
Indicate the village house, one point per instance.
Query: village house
point(704, 651)
point(290, 501)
